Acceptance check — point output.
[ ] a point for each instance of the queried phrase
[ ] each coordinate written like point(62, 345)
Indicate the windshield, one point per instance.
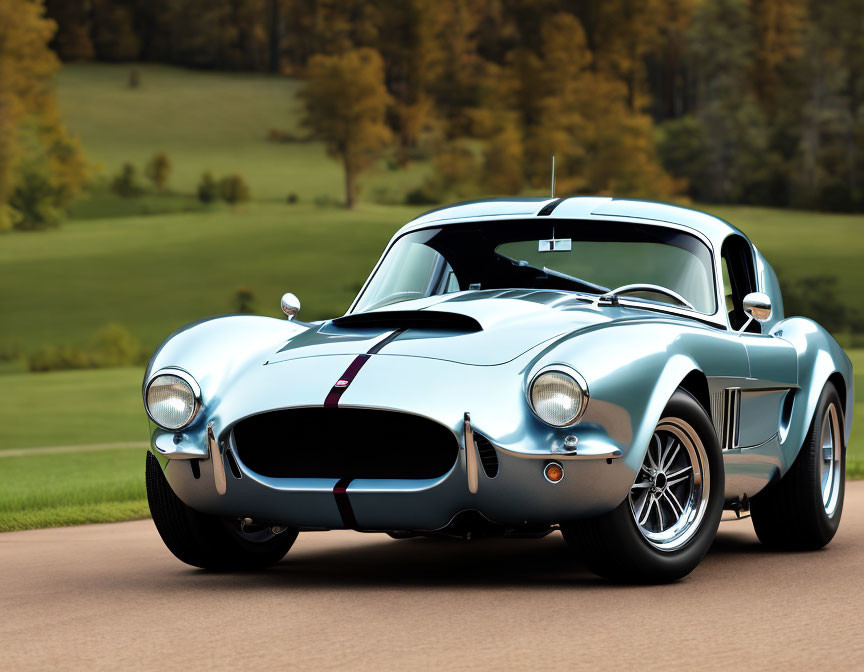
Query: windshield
point(586, 257)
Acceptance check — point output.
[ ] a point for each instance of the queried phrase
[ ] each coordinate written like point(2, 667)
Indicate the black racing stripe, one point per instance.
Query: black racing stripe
point(549, 207)
point(375, 349)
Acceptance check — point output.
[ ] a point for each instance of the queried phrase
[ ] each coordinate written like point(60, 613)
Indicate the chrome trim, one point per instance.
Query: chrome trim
point(611, 298)
point(186, 449)
point(187, 378)
point(575, 375)
point(471, 458)
point(582, 453)
point(219, 479)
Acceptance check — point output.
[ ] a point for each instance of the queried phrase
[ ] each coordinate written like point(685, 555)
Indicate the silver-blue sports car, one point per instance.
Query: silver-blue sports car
point(621, 371)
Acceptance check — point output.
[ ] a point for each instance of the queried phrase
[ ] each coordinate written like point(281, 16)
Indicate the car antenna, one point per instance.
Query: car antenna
point(553, 176)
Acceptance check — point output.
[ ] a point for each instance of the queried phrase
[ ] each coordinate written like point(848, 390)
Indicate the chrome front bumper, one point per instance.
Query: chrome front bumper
point(594, 482)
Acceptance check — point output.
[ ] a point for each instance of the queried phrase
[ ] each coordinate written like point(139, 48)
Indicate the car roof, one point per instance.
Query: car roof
point(714, 229)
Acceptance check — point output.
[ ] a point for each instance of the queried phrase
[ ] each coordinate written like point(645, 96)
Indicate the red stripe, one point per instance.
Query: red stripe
point(336, 392)
point(340, 492)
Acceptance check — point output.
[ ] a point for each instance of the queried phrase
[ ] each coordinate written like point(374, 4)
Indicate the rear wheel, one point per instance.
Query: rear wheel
point(210, 542)
point(802, 510)
point(667, 523)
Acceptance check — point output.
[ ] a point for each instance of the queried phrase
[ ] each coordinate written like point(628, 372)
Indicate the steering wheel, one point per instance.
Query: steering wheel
point(611, 298)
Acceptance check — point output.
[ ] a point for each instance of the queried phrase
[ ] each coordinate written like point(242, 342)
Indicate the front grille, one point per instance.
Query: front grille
point(344, 443)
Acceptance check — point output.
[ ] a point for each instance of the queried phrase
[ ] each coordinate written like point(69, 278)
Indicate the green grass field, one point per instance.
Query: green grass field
point(156, 263)
point(207, 121)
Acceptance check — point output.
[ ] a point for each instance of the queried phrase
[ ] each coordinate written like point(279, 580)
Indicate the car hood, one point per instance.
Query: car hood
point(482, 328)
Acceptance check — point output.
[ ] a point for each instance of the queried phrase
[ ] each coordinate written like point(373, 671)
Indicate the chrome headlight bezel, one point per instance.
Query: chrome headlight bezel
point(578, 379)
point(187, 378)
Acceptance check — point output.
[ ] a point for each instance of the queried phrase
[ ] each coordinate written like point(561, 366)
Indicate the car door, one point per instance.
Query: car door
point(773, 362)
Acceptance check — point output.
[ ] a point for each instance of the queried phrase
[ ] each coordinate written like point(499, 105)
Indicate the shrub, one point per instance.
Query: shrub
point(233, 189)
point(125, 183)
point(422, 195)
point(9, 351)
point(158, 170)
point(116, 346)
point(278, 135)
point(208, 190)
point(244, 301)
point(292, 198)
point(816, 297)
point(58, 358)
point(34, 200)
point(8, 217)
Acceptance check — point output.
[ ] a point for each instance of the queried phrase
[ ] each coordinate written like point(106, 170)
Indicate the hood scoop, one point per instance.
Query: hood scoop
point(430, 320)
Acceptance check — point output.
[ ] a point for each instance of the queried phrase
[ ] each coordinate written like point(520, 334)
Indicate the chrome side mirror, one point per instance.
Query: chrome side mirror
point(758, 306)
point(290, 305)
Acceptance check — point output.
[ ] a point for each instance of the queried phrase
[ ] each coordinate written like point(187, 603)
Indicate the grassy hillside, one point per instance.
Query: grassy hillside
point(154, 274)
point(206, 121)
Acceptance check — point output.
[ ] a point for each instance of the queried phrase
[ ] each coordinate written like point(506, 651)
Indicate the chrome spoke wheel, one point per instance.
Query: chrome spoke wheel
point(670, 495)
point(830, 464)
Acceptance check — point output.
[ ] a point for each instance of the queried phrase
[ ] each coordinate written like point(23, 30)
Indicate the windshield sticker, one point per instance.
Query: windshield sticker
point(556, 245)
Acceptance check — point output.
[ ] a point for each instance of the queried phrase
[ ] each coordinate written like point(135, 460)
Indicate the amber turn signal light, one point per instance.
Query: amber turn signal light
point(553, 472)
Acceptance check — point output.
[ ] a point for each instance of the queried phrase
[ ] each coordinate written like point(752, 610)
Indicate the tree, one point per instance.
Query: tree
point(233, 189)
point(72, 41)
point(208, 189)
point(38, 157)
point(584, 117)
point(158, 170)
point(125, 183)
point(346, 105)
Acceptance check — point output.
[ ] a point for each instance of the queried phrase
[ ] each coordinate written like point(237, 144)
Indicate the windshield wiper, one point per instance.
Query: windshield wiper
point(598, 289)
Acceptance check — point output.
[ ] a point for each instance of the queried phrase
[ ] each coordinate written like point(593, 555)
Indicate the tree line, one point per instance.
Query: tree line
point(746, 101)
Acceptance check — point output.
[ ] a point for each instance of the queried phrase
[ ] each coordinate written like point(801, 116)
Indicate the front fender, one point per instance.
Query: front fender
point(631, 376)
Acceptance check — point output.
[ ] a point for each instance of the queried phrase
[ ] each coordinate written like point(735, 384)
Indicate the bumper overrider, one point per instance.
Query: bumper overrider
point(385, 442)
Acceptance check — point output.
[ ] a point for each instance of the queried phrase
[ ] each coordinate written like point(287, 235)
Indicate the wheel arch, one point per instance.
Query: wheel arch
point(679, 372)
point(820, 360)
point(696, 383)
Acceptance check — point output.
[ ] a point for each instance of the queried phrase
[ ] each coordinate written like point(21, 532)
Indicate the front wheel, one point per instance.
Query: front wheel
point(802, 510)
point(667, 523)
point(210, 542)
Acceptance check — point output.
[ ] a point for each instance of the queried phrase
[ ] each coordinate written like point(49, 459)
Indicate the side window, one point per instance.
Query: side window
point(739, 279)
point(727, 288)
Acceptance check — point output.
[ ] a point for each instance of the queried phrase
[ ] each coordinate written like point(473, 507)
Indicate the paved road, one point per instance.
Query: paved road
point(111, 597)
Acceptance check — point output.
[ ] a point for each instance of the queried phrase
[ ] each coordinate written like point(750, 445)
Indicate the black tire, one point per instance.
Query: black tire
point(206, 541)
point(791, 514)
point(612, 544)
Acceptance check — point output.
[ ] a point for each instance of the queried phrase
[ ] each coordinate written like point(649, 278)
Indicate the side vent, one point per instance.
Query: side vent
point(725, 409)
point(232, 464)
point(488, 456)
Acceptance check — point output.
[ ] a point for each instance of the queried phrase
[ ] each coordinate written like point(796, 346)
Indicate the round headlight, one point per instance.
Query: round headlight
point(171, 400)
point(557, 398)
